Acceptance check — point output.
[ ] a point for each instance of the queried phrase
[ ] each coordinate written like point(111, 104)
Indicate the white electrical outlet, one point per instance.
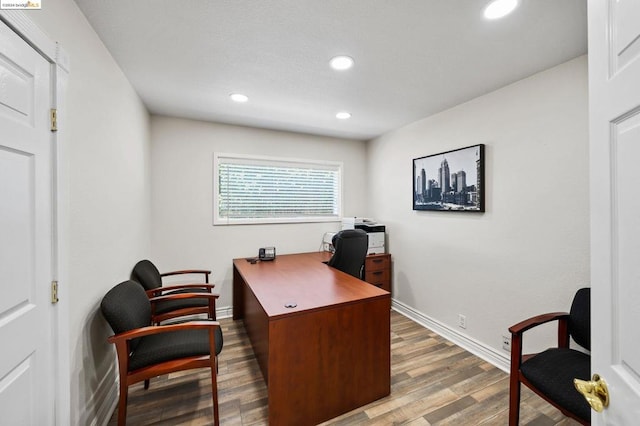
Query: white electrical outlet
point(506, 343)
point(462, 321)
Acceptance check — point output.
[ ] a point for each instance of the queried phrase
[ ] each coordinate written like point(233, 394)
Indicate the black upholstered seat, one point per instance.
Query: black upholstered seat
point(147, 275)
point(146, 351)
point(159, 348)
point(351, 247)
point(550, 373)
point(167, 306)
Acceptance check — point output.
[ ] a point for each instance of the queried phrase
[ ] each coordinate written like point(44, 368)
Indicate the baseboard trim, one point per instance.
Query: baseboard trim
point(477, 348)
point(225, 312)
point(99, 409)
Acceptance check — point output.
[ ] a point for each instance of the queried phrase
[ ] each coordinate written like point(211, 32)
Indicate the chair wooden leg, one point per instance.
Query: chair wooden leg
point(214, 392)
point(122, 402)
point(212, 310)
point(514, 399)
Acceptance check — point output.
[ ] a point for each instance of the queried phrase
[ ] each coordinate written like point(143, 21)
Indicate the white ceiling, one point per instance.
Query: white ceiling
point(413, 58)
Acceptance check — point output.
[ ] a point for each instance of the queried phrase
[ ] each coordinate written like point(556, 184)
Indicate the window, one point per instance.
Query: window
point(250, 189)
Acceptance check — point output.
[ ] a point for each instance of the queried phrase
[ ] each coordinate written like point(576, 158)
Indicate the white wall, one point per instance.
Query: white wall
point(530, 251)
point(106, 130)
point(183, 236)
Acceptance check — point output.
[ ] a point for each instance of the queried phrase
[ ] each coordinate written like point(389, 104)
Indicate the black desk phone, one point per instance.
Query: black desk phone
point(267, 253)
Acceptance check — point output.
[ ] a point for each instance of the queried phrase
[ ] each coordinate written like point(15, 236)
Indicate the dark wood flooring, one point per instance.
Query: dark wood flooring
point(433, 382)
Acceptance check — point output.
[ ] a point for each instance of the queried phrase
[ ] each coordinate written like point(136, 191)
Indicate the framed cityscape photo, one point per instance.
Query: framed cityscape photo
point(450, 181)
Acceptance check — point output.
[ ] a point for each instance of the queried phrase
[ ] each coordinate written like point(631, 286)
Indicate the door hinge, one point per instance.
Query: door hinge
point(54, 292)
point(54, 120)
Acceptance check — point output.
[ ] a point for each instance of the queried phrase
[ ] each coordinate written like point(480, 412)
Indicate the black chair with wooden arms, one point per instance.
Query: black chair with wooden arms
point(145, 351)
point(146, 273)
point(550, 373)
point(351, 247)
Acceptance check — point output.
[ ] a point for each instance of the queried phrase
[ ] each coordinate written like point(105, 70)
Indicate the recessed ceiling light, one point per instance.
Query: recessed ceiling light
point(343, 115)
point(499, 8)
point(239, 97)
point(341, 62)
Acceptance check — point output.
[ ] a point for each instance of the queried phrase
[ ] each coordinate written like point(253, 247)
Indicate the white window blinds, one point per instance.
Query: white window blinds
point(269, 190)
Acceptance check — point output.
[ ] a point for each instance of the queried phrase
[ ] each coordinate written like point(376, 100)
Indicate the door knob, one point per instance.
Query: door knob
point(594, 391)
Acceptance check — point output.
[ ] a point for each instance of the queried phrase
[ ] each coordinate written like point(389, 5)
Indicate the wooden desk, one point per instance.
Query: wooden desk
point(326, 356)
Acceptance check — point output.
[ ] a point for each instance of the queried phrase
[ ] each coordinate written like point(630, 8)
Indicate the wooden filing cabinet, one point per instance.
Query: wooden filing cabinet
point(377, 270)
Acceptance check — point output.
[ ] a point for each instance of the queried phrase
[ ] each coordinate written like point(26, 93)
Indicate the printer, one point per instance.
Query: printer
point(375, 231)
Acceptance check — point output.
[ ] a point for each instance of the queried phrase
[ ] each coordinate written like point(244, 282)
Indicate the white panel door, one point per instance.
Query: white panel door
point(26, 371)
point(614, 101)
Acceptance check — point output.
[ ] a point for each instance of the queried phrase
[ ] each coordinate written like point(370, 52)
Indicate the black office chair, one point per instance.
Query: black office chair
point(145, 351)
point(550, 373)
point(351, 247)
point(146, 274)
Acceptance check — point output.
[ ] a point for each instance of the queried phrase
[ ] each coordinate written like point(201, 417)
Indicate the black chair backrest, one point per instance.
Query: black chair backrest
point(146, 274)
point(351, 247)
point(126, 307)
point(580, 318)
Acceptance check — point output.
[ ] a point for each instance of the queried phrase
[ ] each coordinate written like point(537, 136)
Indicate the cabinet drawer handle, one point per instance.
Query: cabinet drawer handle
point(378, 260)
point(377, 273)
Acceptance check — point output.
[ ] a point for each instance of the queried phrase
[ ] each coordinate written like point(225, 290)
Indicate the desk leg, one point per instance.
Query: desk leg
point(238, 294)
point(247, 308)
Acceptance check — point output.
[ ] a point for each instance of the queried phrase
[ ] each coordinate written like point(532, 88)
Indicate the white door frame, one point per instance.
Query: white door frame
point(19, 22)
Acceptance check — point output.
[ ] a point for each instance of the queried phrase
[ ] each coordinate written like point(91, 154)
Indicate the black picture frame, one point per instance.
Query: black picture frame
point(460, 170)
